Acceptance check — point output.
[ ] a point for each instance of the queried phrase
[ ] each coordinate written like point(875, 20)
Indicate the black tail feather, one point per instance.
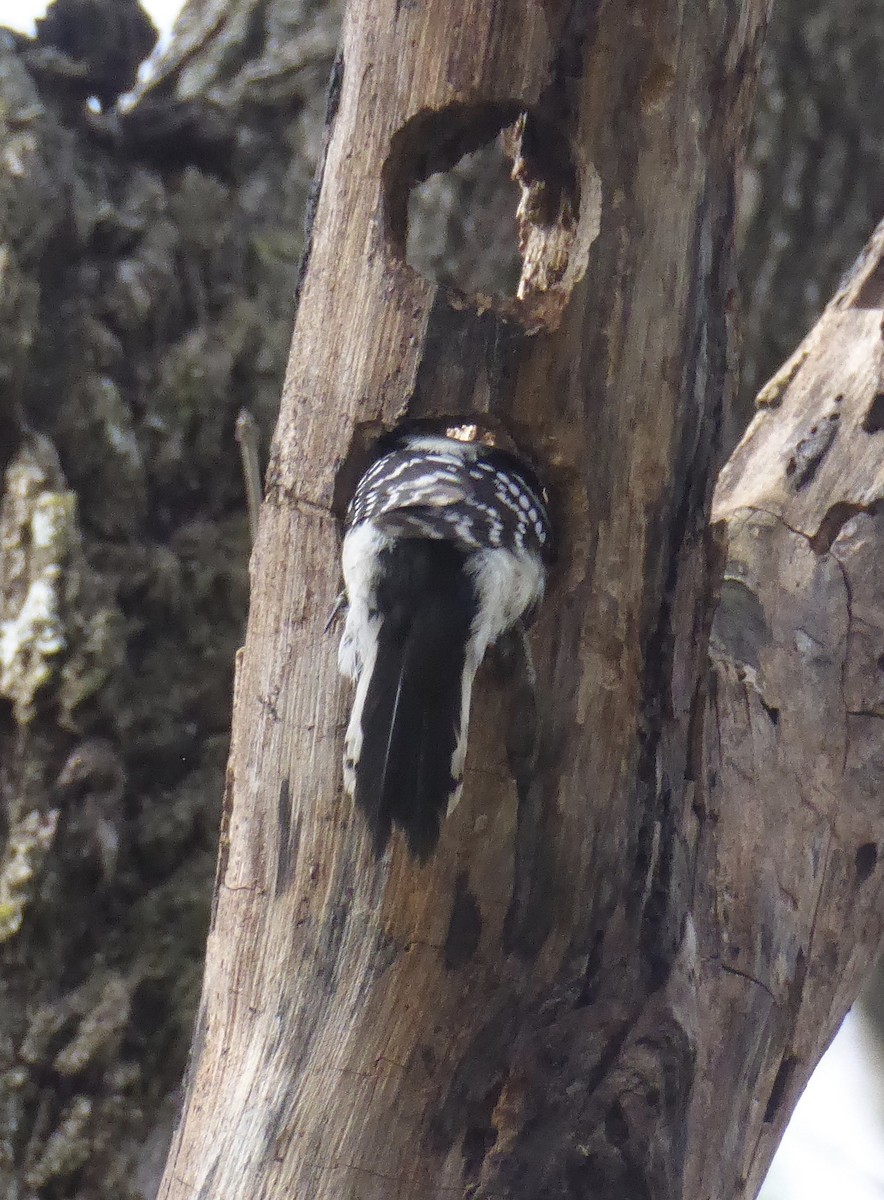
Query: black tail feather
point(412, 711)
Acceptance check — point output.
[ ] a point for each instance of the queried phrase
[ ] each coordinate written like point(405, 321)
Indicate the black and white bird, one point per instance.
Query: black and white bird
point(446, 548)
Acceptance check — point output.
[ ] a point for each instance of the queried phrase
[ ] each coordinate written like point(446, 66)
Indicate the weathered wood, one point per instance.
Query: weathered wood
point(788, 906)
point(615, 985)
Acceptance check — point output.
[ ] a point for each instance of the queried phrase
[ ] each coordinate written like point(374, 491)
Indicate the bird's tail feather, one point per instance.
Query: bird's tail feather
point(413, 723)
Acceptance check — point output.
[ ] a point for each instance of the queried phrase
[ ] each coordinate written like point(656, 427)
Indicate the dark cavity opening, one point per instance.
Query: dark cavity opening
point(485, 200)
point(873, 422)
point(778, 1091)
point(835, 520)
point(462, 226)
point(871, 294)
point(866, 859)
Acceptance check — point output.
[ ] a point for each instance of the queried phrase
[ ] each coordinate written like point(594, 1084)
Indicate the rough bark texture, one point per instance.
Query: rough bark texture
point(147, 273)
point(148, 266)
point(789, 907)
point(535, 1012)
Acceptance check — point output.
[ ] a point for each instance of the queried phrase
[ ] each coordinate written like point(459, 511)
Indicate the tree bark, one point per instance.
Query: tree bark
point(539, 1011)
point(148, 261)
point(788, 906)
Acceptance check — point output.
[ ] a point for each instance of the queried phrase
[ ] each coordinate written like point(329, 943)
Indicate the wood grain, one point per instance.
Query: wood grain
point(792, 824)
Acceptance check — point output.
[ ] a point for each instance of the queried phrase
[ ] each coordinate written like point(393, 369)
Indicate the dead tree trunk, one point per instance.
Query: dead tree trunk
point(788, 904)
point(531, 1014)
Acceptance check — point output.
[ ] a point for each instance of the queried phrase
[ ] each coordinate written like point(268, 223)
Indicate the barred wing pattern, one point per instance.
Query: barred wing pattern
point(481, 500)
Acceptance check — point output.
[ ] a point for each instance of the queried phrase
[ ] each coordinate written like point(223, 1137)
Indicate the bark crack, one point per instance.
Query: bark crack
point(747, 975)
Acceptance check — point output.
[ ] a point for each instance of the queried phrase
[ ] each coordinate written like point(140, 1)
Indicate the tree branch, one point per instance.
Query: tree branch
point(791, 823)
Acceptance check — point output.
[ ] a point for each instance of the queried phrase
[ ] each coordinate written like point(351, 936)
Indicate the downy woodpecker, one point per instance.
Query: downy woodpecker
point(446, 548)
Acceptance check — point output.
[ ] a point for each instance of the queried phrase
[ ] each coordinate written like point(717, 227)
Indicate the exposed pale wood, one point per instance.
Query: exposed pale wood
point(596, 988)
